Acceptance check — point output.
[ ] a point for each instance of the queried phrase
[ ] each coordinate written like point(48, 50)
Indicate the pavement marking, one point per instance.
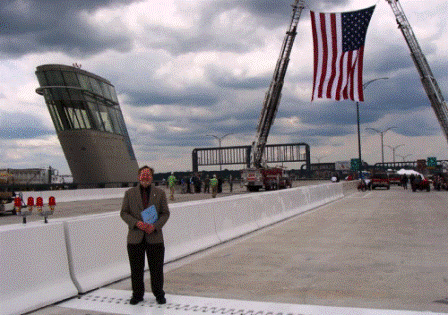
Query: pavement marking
point(359, 194)
point(117, 302)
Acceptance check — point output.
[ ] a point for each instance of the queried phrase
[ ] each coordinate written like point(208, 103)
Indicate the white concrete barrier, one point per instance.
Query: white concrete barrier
point(262, 212)
point(295, 200)
point(234, 216)
point(269, 208)
point(349, 187)
point(34, 267)
point(301, 199)
point(339, 190)
point(191, 227)
point(314, 196)
point(77, 194)
point(97, 250)
point(323, 194)
point(46, 263)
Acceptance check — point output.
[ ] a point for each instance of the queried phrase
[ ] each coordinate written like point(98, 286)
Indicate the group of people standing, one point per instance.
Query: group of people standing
point(194, 184)
point(412, 179)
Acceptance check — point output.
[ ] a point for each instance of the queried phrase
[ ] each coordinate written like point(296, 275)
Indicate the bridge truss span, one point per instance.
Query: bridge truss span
point(274, 153)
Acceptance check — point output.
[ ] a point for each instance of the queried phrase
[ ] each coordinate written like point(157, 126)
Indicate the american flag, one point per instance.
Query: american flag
point(338, 53)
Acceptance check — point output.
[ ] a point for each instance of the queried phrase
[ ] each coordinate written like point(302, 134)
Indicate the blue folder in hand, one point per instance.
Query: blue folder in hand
point(149, 215)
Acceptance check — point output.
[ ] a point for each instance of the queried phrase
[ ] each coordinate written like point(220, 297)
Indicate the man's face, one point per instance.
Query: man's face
point(145, 177)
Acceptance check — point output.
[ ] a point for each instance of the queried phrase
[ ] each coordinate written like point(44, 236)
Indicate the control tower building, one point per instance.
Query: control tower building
point(89, 124)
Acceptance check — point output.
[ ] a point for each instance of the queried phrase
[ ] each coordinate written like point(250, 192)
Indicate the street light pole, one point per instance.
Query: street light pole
point(319, 158)
point(404, 157)
point(393, 149)
point(359, 139)
point(382, 140)
point(364, 86)
point(219, 141)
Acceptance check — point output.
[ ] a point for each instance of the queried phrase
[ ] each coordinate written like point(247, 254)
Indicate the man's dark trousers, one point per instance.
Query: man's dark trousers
point(156, 255)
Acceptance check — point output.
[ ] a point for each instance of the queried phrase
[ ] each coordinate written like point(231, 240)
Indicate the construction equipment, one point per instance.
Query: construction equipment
point(273, 95)
point(269, 110)
point(429, 82)
point(269, 178)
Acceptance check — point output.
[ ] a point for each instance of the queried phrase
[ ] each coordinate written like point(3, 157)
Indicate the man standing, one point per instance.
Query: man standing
point(404, 181)
point(214, 185)
point(172, 185)
point(207, 185)
point(145, 237)
point(231, 183)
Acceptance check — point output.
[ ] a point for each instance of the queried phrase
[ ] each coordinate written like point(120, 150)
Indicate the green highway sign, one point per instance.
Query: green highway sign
point(431, 162)
point(354, 164)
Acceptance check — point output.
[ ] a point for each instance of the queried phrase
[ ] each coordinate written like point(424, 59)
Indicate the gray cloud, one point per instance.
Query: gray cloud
point(45, 25)
point(223, 78)
point(206, 36)
point(189, 97)
point(274, 12)
point(179, 42)
point(21, 126)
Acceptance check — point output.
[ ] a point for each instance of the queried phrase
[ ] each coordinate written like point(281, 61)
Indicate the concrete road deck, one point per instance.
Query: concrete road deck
point(375, 251)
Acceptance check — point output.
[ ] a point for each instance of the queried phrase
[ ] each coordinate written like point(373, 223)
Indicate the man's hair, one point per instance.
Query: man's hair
point(146, 167)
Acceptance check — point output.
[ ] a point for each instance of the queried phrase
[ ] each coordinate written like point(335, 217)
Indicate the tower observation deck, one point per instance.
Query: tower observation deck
point(89, 124)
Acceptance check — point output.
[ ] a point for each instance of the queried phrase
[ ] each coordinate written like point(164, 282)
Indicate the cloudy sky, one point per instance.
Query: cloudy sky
point(184, 69)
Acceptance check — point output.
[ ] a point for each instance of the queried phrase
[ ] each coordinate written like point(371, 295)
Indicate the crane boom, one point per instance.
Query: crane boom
point(428, 80)
point(273, 95)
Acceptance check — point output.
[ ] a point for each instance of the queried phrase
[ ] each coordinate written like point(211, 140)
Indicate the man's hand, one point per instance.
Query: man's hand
point(149, 228)
point(142, 225)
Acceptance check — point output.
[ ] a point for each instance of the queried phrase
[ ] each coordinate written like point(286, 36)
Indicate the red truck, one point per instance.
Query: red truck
point(394, 179)
point(268, 178)
point(380, 180)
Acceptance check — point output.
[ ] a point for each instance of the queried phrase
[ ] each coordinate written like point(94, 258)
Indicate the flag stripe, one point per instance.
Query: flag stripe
point(349, 75)
point(315, 46)
point(360, 72)
point(334, 54)
point(338, 54)
point(324, 53)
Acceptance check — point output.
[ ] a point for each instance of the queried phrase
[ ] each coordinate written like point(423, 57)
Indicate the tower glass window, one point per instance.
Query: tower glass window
point(80, 100)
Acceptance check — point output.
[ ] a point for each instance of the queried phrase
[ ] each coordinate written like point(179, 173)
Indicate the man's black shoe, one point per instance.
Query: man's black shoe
point(134, 300)
point(161, 300)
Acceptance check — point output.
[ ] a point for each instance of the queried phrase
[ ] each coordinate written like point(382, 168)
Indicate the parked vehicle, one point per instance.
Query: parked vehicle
point(440, 182)
point(268, 178)
point(394, 179)
point(420, 183)
point(380, 180)
point(7, 202)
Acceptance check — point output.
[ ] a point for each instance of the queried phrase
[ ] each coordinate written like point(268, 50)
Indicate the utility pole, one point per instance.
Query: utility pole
point(364, 86)
point(219, 141)
point(404, 157)
point(382, 139)
point(393, 150)
point(318, 158)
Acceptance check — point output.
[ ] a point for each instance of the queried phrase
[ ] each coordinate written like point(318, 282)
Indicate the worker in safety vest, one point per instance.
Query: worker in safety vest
point(214, 185)
point(172, 185)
